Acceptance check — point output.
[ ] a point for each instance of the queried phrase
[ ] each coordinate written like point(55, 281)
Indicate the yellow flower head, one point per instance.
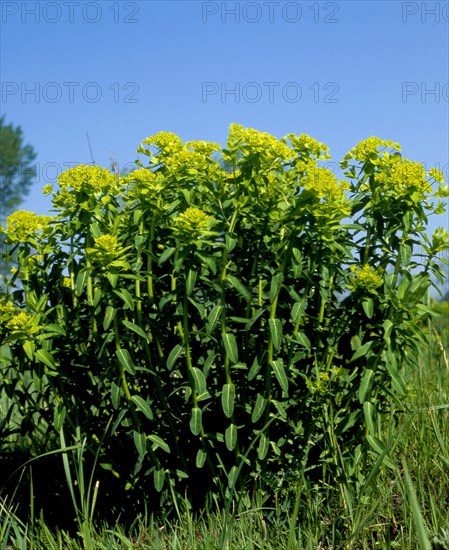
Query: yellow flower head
point(204, 147)
point(306, 146)
point(365, 277)
point(436, 174)
point(193, 222)
point(405, 178)
point(166, 142)
point(323, 183)
point(370, 146)
point(143, 183)
point(91, 179)
point(22, 226)
point(252, 141)
point(7, 310)
point(23, 324)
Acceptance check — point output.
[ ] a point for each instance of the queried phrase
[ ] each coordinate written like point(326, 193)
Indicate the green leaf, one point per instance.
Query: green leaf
point(135, 328)
point(174, 356)
point(59, 416)
point(200, 381)
point(255, 368)
point(115, 395)
point(231, 437)
point(388, 327)
point(125, 360)
point(259, 407)
point(158, 479)
point(227, 399)
point(140, 442)
point(392, 367)
point(56, 329)
point(275, 332)
point(158, 442)
point(29, 347)
point(81, 281)
point(200, 458)
point(126, 297)
point(166, 254)
point(275, 287)
point(213, 318)
point(190, 281)
point(142, 406)
point(262, 450)
point(230, 241)
point(365, 384)
point(302, 339)
point(368, 307)
point(362, 351)
point(298, 311)
point(279, 371)
point(239, 287)
point(45, 357)
point(109, 316)
point(369, 412)
point(195, 421)
point(230, 345)
point(232, 476)
point(379, 446)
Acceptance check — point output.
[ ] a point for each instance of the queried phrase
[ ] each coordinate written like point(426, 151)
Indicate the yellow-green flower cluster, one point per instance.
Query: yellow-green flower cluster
point(7, 310)
point(323, 183)
point(365, 277)
point(404, 178)
point(166, 142)
point(440, 240)
point(23, 226)
point(143, 183)
point(436, 174)
point(370, 146)
point(189, 161)
point(23, 325)
point(203, 147)
point(306, 144)
point(193, 222)
point(252, 141)
point(91, 179)
point(107, 251)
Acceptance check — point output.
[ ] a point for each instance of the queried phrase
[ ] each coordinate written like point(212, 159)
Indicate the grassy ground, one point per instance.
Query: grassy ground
point(405, 506)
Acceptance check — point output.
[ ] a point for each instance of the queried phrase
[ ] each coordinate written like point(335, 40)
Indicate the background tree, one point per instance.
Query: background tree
point(17, 173)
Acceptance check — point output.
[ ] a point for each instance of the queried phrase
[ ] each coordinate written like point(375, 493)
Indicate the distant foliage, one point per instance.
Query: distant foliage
point(200, 325)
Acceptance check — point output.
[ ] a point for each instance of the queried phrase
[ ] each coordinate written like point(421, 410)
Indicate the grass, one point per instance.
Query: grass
point(402, 505)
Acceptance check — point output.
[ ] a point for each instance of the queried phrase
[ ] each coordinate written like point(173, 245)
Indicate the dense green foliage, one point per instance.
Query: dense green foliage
point(188, 331)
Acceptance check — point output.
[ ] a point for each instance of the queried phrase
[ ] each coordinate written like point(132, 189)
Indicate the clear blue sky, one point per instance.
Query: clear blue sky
point(339, 71)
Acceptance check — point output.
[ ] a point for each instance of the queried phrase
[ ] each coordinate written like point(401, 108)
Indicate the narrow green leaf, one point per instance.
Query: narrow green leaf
point(45, 357)
point(140, 442)
point(232, 476)
point(227, 399)
point(275, 332)
point(362, 351)
point(388, 327)
point(213, 318)
point(166, 254)
point(200, 458)
point(392, 368)
point(231, 437)
point(59, 416)
point(142, 406)
point(158, 478)
point(302, 339)
point(275, 287)
point(368, 307)
point(365, 384)
point(174, 356)
point(239, 287)
point(298, 311)
point(259, 407)
point(190, 281)
point(279, 371)
point(109, 316)
point(369, 412)
point(29, 348)
point(55, 328)
point(125, 360)
point(200, 381)
point(81, 281)
point(126, 297)
point(230, 345)
point(255, 368)
point(158, 442)
point(135, 328)
point(195, 421)
point(115, 395)
point(263, 447)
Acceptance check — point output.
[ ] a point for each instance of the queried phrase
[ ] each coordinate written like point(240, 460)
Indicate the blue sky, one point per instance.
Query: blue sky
point(121, 71)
